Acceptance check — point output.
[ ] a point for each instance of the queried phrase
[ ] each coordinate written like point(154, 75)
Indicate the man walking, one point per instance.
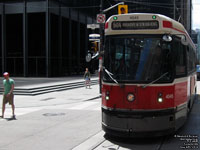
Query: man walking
point(8, 96)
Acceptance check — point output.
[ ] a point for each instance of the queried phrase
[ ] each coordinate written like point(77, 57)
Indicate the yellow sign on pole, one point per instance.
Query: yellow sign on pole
point(122, 9)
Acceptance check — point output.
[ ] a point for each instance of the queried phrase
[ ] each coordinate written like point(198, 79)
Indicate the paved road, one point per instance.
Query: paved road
point(54, 121)
point(72, 120)
point(187, 138)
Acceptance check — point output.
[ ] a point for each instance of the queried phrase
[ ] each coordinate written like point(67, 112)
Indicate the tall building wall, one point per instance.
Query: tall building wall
point(43, 37)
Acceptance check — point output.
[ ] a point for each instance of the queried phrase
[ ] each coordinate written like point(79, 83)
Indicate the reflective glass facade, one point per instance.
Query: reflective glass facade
point(44, 37)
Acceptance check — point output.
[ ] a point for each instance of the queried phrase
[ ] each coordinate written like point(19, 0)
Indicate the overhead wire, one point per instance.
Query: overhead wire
point(160, 5)
point(133, 1)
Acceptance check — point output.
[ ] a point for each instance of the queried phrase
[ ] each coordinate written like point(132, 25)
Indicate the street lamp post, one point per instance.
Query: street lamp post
point(101, 49)
point(174, 9)
point(105, 10)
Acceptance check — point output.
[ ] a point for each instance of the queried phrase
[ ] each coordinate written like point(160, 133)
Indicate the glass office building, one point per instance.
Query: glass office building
point(44, 37)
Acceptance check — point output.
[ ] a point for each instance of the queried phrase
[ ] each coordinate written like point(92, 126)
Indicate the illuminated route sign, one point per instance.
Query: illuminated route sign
point(134, 25)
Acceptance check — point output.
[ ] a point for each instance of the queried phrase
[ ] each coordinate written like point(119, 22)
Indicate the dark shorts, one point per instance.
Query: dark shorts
point(8, 99)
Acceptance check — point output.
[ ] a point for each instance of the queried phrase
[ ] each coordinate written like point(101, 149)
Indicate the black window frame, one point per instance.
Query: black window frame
point(191, 60)
point(177, 41)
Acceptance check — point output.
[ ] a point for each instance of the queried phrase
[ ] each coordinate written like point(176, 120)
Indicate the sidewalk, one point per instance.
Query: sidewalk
point(65, 119)
point(36, 86)
point(57, 98)
point(35, 82)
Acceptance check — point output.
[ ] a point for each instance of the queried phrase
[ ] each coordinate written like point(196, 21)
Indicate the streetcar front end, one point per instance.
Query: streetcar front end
point(146, 87)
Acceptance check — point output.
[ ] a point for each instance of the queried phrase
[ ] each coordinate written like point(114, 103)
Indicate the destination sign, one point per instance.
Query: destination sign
point(134, 25)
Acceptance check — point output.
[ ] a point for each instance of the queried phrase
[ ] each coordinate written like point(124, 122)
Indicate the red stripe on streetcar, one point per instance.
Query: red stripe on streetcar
point(106, 25)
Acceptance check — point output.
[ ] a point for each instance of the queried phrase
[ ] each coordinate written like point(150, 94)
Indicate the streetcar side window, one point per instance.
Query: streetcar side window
point(191, 61)
point(180, 58)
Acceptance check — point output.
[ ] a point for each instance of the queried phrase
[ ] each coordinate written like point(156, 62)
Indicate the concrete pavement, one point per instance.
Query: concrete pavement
point(58, 120)
point(36, 86)
point(56, 98)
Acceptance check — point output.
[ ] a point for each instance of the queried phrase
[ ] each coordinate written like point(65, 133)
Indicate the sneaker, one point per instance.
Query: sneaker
point(13, 117)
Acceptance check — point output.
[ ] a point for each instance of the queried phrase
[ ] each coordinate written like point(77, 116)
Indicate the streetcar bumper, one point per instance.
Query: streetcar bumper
point(139, 123)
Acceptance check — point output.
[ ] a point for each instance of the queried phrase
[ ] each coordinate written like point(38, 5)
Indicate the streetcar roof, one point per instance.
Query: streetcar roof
point(144, 17)
point(166, 25)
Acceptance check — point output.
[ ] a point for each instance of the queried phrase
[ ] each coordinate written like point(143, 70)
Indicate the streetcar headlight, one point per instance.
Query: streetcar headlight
point(160, 99)
point(107, 96)
point(130, 97)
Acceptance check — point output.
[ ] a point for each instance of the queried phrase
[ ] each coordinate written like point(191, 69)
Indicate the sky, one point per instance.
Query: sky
point(196, 14)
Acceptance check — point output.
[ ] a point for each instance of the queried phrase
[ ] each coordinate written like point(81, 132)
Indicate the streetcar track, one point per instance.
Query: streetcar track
point(89, 142)
point(162, 143)
point(115, 143)
point(97, 145)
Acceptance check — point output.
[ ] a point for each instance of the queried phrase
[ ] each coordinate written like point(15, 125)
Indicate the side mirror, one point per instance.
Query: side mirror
point(183, 40)
point(167, 38)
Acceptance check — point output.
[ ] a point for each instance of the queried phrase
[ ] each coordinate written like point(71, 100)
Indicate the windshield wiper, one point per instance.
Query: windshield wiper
point(144, 86)
point(110, 75)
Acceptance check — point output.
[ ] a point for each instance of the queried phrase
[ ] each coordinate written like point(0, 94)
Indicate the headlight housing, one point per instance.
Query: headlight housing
point(130, 97)
point(160, 98)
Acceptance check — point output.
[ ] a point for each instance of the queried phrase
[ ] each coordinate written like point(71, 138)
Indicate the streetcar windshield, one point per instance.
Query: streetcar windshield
point(137, 58)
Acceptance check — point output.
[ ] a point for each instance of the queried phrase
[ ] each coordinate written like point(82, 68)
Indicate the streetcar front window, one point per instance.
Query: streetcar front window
point(137, 59)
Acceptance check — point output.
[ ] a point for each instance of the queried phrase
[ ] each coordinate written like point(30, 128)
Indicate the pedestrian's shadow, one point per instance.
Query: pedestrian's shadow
point(10, 119)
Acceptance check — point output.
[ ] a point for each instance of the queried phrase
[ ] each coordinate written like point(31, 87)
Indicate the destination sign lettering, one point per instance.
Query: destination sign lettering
point(134, 25)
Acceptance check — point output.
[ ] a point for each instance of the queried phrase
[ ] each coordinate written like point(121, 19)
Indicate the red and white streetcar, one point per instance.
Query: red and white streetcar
point(149, 75)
